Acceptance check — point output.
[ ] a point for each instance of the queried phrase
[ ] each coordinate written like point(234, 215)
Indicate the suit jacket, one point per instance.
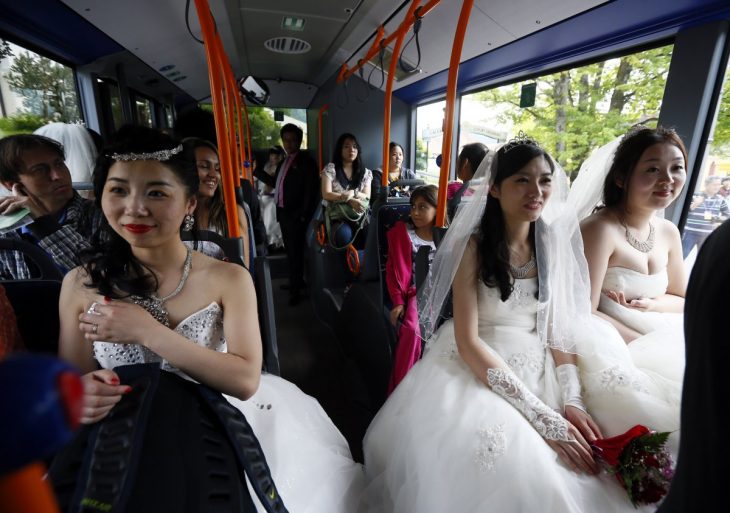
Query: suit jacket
point(301, 185)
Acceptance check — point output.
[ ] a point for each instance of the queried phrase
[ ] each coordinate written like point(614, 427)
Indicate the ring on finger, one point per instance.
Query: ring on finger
point(95, 328)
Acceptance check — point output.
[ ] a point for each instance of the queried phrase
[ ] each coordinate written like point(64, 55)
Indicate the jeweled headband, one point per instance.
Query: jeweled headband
point(160, 155)
point(522, 139)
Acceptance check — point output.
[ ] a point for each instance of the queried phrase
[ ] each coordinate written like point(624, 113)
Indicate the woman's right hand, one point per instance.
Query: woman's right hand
point(348, 195)
point(356, 205)
point(576, 453)
point(395, 314)
point(102, 391)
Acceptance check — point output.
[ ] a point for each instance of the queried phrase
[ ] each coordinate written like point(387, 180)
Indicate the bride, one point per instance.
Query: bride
point(473, 427)
point(637, 273)
point(144, 297)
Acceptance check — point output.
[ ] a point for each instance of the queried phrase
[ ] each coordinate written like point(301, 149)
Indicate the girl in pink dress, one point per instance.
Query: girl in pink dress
point(404, 241)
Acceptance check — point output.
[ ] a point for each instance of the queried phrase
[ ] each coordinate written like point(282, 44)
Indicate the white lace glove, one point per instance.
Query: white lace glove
point(546, 421)
point(569, 379)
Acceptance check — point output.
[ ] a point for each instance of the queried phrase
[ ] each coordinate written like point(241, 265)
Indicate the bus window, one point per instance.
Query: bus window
point(111, 105)
point(266, 123)
point(34, 91)
point(429, 140)
point(575, 110)
point(710, 201)
point(144, 108)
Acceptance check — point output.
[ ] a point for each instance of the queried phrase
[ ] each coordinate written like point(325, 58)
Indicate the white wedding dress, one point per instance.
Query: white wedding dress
point(309, 458)
point(444, 442)
point(638, 383)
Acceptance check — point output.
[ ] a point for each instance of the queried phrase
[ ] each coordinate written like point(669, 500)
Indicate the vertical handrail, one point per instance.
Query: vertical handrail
point(449, 119)
point(319, 135)
point(215, 64)
point(248, 131)
point(389, 90)
point(241, 138)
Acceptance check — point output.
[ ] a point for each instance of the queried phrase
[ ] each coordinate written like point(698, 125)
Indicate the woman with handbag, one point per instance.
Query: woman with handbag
point(346, 194)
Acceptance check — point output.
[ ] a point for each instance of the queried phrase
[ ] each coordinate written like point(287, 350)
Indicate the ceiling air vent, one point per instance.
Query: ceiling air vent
point(291, 45)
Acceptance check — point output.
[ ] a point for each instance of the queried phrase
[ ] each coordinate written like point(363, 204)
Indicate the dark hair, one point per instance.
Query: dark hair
point(217, 207)
point(196, 122)
point(277, 150)
point(628, 153)
point(358, 169)
point(292, 129)
point(474, 153)
point(428, 193)
point(492, 245)
point(112, 268)
point(12, 148)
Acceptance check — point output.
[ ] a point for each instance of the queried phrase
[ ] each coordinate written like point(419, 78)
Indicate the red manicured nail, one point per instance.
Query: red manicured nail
point(107, 299)
point(128, 390)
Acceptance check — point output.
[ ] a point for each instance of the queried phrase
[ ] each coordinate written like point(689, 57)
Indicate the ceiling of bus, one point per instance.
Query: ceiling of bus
point(337, 30)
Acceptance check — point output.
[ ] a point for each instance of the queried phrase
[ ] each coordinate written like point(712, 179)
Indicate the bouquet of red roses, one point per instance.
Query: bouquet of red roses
point(640, 462)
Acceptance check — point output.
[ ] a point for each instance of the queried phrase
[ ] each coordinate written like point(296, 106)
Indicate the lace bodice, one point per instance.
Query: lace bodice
point(635, 284)
point(519, 311)
point(204, 327)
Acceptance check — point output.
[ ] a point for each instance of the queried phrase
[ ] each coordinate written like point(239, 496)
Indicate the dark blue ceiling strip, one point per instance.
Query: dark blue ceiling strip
point(612, 27)
point(55, 29)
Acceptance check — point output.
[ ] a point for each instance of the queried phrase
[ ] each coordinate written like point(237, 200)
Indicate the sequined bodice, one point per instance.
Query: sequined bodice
point(204, 327)
point(520, 309)
point(635, 284)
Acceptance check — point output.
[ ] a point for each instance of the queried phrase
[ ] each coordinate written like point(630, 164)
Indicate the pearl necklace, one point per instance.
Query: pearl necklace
point(643, 246)
point(155, 304)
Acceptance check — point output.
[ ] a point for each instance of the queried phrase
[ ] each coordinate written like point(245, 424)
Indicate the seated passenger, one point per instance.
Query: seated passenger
point(491, 418)
point(466, 165)
point(210, 212)
point(32, 167)
point(404, 241)
point(637, 279)
point(346, 189)
point(396, 172)
point(78, 145)
point(145, 298)
point(266, 199)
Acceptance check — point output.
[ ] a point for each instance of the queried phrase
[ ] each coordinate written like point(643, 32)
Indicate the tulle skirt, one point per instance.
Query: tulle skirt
point(444, 442)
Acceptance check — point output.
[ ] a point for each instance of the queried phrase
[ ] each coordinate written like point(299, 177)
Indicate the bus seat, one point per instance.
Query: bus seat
point(232, 248)
point(267, 318)
point(388, 215)
point(35, 303)
point(42, 260)
point(373, 265)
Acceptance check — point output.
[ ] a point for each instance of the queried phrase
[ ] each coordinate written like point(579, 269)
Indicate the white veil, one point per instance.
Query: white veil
point(586, 192)
point(564, 312)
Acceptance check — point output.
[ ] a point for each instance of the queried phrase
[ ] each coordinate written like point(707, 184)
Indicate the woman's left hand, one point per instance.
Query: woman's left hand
point(645, 304)
point(356, 205)
point(117, 321)
point(584, 422)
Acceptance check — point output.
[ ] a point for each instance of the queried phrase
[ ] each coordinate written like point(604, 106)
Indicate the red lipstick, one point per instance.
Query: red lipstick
point(138, 228)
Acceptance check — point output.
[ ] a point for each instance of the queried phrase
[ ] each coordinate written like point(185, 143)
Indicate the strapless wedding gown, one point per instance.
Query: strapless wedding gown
point(309, 458)
point(444, 442)
point(638, 383)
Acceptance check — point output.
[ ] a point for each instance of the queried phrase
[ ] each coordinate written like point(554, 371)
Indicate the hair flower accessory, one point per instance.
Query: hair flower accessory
point(640, 462)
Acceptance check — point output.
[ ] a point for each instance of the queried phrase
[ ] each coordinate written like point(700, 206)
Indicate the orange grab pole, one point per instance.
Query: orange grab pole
point(235, 129)
point(216, 91)
point(248, 131)
point(241, 138)
point(389, 90)
point(233, 148)
point(450, 98)
point(405, 26)
point(319, 134)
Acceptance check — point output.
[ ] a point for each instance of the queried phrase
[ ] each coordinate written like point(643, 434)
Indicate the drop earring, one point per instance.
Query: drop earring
point(188, 222)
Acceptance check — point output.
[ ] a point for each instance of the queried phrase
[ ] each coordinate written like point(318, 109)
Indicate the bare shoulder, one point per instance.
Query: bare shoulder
point(667, 228)
point(601, 222)
point(75, 290)
point(220, 274)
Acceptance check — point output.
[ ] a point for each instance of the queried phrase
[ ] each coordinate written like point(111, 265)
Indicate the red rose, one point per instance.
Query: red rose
point(609, 449)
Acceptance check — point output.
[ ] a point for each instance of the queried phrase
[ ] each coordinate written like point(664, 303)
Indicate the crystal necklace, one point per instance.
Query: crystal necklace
point(643, 246)
point(155, 304)
point(522, 271)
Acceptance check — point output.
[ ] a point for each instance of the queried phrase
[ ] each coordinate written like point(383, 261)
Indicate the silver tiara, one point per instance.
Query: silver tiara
point(522, 139)
point(160, 155)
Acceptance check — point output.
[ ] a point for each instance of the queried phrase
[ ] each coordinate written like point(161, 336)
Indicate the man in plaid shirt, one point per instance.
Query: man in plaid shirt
point(33, 168)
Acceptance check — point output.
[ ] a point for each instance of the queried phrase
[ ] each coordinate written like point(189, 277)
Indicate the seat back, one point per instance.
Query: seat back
point(388, 215)
point(42, 260)
point(267, 317)
point(35, 303)
point(232, 248)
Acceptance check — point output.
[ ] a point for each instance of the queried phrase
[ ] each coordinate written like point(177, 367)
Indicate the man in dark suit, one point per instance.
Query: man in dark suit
point(296, 190)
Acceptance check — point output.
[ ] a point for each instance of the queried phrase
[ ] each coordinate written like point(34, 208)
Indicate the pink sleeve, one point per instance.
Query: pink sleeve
point(398, 266)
